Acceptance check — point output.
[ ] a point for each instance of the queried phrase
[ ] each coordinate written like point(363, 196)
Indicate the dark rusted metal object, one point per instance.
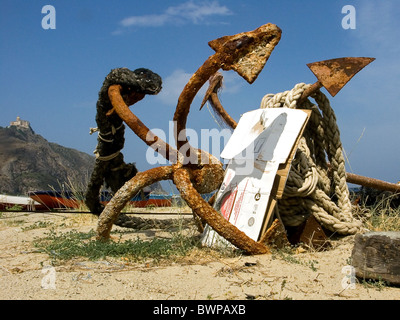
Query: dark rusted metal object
point(246, 53)
point(372, 183)
point(138, 127)
point(205, 177)
point(275, 236)
point(212, 96)
point(311, 234)
point(124, 194)
point(214, 86)
point(334, 74)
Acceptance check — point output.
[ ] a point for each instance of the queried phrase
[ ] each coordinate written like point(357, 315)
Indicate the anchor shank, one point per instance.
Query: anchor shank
point(309, 92)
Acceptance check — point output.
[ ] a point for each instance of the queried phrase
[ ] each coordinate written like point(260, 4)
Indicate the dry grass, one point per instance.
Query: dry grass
point(382, 216)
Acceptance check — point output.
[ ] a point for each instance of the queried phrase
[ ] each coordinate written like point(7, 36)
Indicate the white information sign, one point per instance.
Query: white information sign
point(262, 140)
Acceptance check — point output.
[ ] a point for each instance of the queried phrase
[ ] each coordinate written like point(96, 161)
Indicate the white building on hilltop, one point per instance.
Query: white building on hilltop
point(20, 123)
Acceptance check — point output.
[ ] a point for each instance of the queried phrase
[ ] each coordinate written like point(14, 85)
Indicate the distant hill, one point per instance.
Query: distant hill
point(29, 162)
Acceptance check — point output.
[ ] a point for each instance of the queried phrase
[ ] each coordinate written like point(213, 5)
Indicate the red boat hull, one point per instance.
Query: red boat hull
point(58, 200)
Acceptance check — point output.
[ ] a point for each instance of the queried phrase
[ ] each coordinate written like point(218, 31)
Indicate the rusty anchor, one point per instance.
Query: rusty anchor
point(332, 74)
point(246, 53)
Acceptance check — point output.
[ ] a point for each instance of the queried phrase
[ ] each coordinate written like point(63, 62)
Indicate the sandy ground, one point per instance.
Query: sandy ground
point(304, 275)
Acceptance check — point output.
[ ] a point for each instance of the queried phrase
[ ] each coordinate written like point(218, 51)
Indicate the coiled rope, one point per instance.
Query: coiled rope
point(316, 183)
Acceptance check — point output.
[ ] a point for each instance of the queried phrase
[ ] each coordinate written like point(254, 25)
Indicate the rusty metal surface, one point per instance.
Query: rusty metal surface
point(123, 195)
point(275, 236)
point(335, 73)
point(215, 84)
point(206, 176)
point(313, 236)
point(212, 96)
point(217, 106)
point(138, 127)
point(246, 53)
point(372, 183)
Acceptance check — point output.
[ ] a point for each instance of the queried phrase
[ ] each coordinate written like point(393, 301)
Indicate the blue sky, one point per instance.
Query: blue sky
point(52, 77)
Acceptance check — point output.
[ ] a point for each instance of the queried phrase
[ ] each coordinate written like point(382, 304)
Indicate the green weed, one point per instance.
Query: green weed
point(37, 225)
point(73, 244)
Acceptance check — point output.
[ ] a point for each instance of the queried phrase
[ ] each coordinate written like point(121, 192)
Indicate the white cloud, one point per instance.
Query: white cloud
point(197, 12)
point(151, 20)
point(187, 12)
point(173, 86)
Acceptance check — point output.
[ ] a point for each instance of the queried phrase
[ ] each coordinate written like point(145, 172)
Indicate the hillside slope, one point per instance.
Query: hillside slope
point(30, 162)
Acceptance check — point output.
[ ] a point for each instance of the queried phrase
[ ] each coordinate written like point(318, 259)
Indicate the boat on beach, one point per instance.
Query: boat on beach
point(69, 200)
point(19, 203)
point(42, 200)
point(56, 199)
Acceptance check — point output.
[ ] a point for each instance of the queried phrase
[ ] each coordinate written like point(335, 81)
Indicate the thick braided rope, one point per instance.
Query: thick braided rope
point(309, 188)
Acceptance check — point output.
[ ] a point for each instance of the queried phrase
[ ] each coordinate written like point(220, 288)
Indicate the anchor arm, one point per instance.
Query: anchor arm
point(334, 74)
point(246, 53)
